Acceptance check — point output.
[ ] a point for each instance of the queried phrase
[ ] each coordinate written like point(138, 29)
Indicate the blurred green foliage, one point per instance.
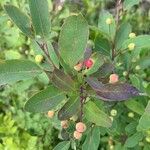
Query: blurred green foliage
point(20, 130)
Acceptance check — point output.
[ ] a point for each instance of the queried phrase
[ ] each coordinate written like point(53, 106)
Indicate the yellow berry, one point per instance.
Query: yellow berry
point(108, 21)
point(39, 58)
point(74, 118)
point(113, 112)
point(111, 118)
point(50, 114)
point(64, 124)
point(125, 73)
point(78, 67)
point(80, 127)
point(147, 139)
point(111, 147)
point(137, 67)
point(113, 78)
point(132, 35)
point(131, 115)
point(77, 135)
point(131, 46)
point(9, 23)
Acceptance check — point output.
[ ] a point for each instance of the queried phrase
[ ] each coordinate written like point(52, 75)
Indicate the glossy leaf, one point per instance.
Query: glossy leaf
point(70, 108)
point(135, 106)
point(73, 39)
point(97, 63)
point(92, 139)
point(122, 34)
point(112, 92)
point(128, 4)
point(20, 19)
point(62, 146)
point(102, 45)
point(109, 30)
point(144, 122)
point(134, 139)
point(40, 17)
point(93, 114)
point(45, 100)
point(16, 70)
point(62, 80)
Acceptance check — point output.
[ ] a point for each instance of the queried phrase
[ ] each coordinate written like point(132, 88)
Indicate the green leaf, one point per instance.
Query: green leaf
point(102, 45)
point(128, 4)
point(15, 70)
point(135, 81)
point(122, 34)
point(135, 106)
point(131, 127)
point(141, 42)
point(73, 39)
point(52, 54)
point(144, 122)
point(70, 108)
point(134, 139)
point(95, 115)
point(62, 81)
point(62, 146)
point(40, 17)
point(97, 63)
point(105, 28)
point(47, 99)
point(20, 19)
point(92, 139)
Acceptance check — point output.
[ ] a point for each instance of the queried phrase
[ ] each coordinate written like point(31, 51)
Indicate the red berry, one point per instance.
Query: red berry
point(88, 63)
point(80, 127)
point(113, 78)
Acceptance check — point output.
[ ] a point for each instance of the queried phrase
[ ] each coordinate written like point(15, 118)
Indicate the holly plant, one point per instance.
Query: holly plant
point(81, 66)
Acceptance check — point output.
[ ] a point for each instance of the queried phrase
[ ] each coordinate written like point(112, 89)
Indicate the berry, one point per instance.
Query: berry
point(113, 78)
point(88, 63)
point(64, 124)
point(113, 112)
point(131, 46)
point(108, 21)
point(50, 114)
point(132, 35)
point(147, 139)
point(39, 58)
point(137, 67)
point(125, 73)
point(111, 118)
point(74, 118)
point(77, 135)
point(131, 115)
point(78, 67)
point(80, 127)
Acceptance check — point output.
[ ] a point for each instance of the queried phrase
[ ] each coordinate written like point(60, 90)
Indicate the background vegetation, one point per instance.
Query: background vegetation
point(20, 130)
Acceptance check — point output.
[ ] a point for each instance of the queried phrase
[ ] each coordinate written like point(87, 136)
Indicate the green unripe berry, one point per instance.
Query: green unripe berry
point(125, 73)
point(113, 112)
point(147, 139)
point(131, 46)
point(131, 115)
point(132, 35)
point(137, 67)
